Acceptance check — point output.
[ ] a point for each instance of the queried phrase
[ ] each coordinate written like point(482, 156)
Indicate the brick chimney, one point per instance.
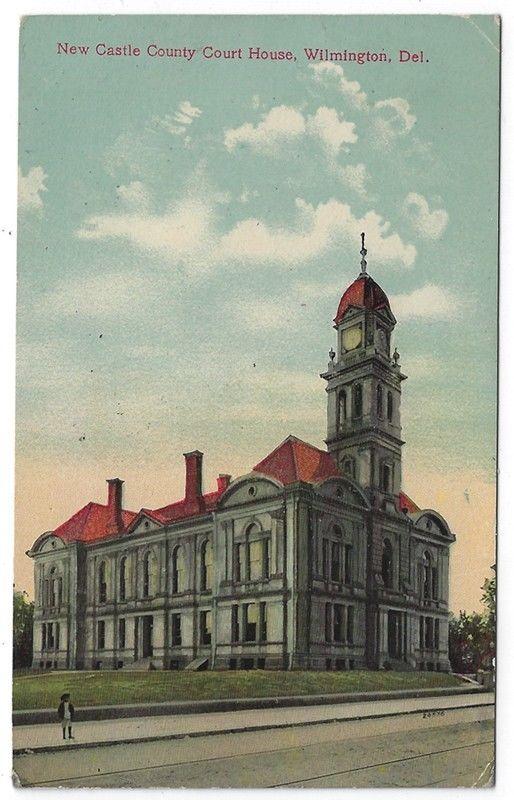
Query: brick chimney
point(114, 504)
point(223, 482)
point(193, 498)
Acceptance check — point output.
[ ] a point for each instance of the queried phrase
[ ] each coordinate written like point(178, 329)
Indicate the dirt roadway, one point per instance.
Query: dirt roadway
point(448, 749)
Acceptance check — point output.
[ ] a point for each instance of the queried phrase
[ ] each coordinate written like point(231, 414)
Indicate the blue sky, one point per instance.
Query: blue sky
point(186, 230)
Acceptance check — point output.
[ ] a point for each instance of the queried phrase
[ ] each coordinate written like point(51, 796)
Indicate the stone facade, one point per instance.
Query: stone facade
point(313, 560)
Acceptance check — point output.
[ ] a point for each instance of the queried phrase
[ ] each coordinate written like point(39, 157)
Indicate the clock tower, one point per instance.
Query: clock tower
point(364, 391)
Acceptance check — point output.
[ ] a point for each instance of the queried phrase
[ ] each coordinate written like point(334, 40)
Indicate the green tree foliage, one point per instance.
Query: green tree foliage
point(23, 615)
point(472, 636)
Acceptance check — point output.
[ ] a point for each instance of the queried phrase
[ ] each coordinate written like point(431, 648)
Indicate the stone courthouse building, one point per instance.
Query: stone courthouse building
point(315, 559)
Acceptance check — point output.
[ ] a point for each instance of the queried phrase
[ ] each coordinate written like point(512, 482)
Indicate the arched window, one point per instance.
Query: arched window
point(348, 466)
point(429, 571)
point(387, 564)
point(123, 578)
point(178, 571)
point(380, 400)
point(102, 582)
point(386, 476)
point(206, 566)
point(342, 407)
point(390, 406)
point(53, 587)
point(357, 400)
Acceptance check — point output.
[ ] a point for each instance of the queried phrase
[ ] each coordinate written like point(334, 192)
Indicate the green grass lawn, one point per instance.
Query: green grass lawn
point(119, 687)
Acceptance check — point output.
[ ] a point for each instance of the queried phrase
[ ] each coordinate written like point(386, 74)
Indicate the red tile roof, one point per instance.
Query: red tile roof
point(90, 524)
point(295, 460)
point(364, 292)
point(407, 504)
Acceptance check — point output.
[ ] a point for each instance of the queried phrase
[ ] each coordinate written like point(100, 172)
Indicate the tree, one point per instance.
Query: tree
point(472, 636)
point(23, 615)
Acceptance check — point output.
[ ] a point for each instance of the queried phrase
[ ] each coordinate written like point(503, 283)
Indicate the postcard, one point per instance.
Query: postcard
point(256, 401)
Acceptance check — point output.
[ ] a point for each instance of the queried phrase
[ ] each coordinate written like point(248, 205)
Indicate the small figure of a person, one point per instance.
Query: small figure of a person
point(65, 712)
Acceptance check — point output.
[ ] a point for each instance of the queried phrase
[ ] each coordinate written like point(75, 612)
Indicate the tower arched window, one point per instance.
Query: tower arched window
point(390, 406)
point(348, 466)
point(102, 582)
point(380, 400)
point(178, 570)
point(342, 407)
point(357, 400)
point(387, 564)
point(386, 476)
point(123, 578)
point(206, 566)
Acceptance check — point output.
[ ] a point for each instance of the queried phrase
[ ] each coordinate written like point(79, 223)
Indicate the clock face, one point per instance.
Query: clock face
point(352, 337)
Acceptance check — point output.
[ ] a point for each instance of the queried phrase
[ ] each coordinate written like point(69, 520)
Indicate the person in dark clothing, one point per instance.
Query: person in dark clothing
point(66, 712)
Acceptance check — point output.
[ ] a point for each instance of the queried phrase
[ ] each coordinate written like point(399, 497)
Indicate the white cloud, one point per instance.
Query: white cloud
point(355, 176)
point(428, 224)
point(431, 302)
point(121, 294)
point(283, 124)
point(183, 233)
point(394, 118)
point(317, 228)
point(279, 125)
point(30, 187)
point(328, 73)
point(177, 122)
point(332, 130)
point(134, 196)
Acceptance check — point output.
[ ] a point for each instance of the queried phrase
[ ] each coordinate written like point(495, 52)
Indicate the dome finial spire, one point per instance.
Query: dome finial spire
point(363, 252)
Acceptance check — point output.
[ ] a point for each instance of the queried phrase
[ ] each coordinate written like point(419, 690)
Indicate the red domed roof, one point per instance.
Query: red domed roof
point(363, 293)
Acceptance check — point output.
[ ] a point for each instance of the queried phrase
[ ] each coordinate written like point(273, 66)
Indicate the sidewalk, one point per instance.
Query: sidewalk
point(48, 737)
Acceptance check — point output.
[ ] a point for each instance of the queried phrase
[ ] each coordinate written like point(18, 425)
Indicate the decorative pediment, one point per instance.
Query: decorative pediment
point(345, 490)
point(249, 488)
point(143, 523)
point(431, 522)
point(47, 543)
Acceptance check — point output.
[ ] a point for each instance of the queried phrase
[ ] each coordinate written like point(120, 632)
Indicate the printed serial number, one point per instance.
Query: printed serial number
point(427, 714)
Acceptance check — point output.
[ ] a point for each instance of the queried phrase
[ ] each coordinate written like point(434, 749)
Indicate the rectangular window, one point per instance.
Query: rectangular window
point(50, 636)
point(238, 563)
point(121, 634)
point(43, 636)
point(435, 588)
point(326, 558)
point(335, 562)
point(350, 611)
point(328, 622)
point(176, 630)
point(421, 633)
point(101, 634)
point(436, 634)
point(232, 663)
point(265, 558)
point(59, 590)
point(429, 633)
point(261, 663)
point(348, 566)
point(263, 624)
point(250, 622)
point(205, 627)
point(338, 623)
point(235, 623)
point(255, 559)
point(387, 475)
point(57, 634)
